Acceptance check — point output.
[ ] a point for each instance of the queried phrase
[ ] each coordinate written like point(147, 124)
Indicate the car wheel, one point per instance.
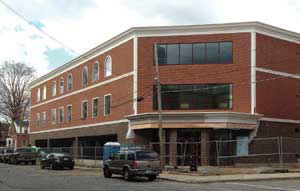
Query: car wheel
point(152, 178)
point(126, 175)
point(107, 173)
point(33, 162)
point(52, 167)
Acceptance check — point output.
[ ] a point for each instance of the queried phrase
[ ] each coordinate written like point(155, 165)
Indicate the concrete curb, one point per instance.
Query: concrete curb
point(228, 178)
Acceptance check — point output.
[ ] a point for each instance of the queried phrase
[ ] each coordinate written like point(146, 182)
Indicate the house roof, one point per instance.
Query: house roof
point(170, 31)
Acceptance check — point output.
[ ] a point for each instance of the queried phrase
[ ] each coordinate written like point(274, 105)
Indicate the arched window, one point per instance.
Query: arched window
point(61, 85)
point(108, 66)
point(85, 76)
point(70, 82)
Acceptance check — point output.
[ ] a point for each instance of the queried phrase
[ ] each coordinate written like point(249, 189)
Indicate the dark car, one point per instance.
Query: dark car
point(133, 163)
point(25, 155)
point(6, 153)
point(57, 161)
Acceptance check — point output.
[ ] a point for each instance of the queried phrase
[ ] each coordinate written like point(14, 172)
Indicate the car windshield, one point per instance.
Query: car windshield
point(146, 155)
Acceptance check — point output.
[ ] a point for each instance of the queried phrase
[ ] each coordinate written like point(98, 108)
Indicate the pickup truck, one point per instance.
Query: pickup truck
point(25, 155)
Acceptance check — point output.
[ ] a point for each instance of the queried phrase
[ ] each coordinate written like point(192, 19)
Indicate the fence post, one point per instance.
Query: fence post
point(217, 148)
point(95, 156)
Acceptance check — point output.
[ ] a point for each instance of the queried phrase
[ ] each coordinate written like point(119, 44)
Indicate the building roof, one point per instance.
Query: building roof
point(170, 31)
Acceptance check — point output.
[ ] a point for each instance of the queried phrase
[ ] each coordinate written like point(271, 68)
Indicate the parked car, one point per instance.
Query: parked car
point(133, 163)
point(57, 161)
point(25, 155)
point(6, 154)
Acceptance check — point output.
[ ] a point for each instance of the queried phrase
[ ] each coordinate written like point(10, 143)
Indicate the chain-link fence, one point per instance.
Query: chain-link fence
point(259, 151)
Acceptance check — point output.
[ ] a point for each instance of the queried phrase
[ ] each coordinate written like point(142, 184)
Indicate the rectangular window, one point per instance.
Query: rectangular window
point(226, 52)
point(69, 113)
point(61, 85)
point(107, 105)
point(38, 119)
point(84, 109)
point(38, 95)
point(212, 53)
point(54, 89)
point(195, 53)
point(242, 146)
point(44, 119)
point(199, 53)
point(44, 92)
point(196, 96)
point(70, 82)
point(96, 71)
point(61, 115)
point(186, 54)
point(95, 107)
point(172, 54)
point(53, 116)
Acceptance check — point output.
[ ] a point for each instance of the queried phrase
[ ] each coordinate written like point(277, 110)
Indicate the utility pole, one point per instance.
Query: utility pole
point(159, 110)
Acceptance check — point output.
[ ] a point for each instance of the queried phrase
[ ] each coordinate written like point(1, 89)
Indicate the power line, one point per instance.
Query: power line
point(39, 29)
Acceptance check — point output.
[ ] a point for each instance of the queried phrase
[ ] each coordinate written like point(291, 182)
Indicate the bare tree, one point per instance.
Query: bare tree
point(14, 91)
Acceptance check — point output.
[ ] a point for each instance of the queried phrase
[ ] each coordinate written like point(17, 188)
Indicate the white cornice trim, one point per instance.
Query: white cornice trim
point(280, 120)
point(85, 89)
point(277, 73)
point(170, 31)
point(81, 126)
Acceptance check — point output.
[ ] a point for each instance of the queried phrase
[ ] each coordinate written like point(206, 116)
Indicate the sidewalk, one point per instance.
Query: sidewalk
point(226, 178)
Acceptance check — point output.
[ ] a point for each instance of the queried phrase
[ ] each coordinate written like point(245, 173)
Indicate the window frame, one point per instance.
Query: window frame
point(96, 64)
point(63, 114)
point(95, 98)
point(44, 121)
point(85, 68)
point(38, 120)
point(38, 95)
point(87, 109)
point(68, 82)
point(61, 85)
point(106, 72)
point(110, 101)
point(53, 122)
point(54, 89)
point(44, 97)
point(71, 114)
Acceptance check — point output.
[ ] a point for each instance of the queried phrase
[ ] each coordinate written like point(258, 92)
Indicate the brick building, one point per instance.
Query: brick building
point(223, 81)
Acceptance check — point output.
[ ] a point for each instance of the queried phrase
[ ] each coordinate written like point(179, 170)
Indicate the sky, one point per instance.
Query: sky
point(80, 25)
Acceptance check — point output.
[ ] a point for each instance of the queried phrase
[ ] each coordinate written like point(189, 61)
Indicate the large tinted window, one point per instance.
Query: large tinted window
point(202, 96)
point(186, 53)
point(195, 53)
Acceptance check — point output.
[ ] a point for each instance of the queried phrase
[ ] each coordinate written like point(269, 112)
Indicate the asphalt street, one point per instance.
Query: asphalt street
point(32, 178)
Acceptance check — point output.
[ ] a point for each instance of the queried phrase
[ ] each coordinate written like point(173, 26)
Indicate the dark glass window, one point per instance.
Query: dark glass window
point(162, 54)
point(196, 53)
point(186, 54)
point(84, 109)
point(226, 52)
point(107, 102)
point(212, 52)
point(173, 54)
point(198, 96)
point(95, 107)
point(199, 53)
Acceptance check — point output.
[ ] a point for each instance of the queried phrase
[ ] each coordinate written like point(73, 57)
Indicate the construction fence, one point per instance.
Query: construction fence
point(272, 150)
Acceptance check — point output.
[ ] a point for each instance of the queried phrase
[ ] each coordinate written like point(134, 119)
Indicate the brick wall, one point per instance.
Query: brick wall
point(121, 91)
point(277, 96)
point(237, 73)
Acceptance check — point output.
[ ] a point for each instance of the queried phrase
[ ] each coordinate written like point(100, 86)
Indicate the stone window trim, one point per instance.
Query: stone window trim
point(104, 105)
point(44, 92)
point(95, 98)
point(38, 94)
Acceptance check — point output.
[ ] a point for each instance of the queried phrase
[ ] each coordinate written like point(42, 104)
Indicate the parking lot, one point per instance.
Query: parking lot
point(31, 178)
